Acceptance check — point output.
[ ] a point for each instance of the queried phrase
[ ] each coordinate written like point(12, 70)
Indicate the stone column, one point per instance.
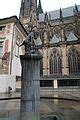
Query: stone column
point(55, 83)
point(65, 69)
point(62, 34)
point(45, 37)
point(45, 61)
point(30, 84)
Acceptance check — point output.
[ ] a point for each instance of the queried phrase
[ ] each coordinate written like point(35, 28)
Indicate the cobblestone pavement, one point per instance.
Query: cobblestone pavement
point(68, 110)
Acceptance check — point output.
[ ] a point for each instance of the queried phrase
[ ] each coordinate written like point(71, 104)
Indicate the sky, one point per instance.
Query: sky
point(12, 7)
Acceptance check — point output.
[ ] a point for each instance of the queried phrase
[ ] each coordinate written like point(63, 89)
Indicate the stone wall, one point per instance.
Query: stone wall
point(6, 81)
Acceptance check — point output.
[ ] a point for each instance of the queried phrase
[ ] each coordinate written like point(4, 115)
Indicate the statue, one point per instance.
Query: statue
point(29, 42)
point(30, 86)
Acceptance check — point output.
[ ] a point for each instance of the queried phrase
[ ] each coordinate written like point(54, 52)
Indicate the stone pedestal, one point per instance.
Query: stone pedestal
point(30, 84)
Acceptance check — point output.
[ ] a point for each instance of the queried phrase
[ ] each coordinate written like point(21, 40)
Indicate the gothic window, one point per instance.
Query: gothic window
point(55, 63)
point(56, 31)
point(74, 61)
point(69, 29)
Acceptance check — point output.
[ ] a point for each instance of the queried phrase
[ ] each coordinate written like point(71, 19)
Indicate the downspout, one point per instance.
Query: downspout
point(11, 52)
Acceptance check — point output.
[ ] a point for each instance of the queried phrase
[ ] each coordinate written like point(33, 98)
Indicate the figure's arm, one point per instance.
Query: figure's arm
point(23, 43)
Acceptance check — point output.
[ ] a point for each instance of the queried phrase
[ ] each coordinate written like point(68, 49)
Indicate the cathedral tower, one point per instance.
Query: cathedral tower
point(29, 12)
point(25, 10)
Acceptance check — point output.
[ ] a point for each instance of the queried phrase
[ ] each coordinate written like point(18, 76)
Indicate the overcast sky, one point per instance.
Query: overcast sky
point(12, 7)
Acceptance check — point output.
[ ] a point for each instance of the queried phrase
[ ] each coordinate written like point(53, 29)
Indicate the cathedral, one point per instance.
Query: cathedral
point(58, 43)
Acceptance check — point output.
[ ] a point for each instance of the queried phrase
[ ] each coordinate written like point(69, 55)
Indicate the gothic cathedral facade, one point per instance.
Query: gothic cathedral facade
point(58, 43)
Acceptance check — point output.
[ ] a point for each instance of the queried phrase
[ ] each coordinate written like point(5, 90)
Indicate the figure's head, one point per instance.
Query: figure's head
point(35, 34)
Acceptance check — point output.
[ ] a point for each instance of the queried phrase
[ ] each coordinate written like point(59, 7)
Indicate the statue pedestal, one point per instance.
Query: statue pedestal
point(30, 84)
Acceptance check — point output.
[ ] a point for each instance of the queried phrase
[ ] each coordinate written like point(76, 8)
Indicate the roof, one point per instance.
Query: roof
point(16, 21)
point(66, 12)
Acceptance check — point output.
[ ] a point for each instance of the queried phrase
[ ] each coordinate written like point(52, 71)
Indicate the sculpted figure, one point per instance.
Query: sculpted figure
point(29, 42)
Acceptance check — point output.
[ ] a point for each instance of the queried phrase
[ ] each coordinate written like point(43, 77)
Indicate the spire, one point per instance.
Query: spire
point(49, 16)
point(61, 16)
point(76, 8)
point(39, 9)
point(73, 10)
point(39, 4)
point(46, 17)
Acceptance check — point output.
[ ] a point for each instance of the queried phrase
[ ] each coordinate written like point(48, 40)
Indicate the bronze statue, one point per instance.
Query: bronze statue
point(29, 43)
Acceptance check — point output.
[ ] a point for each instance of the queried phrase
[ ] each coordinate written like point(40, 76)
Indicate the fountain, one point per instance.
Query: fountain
point(30, 84)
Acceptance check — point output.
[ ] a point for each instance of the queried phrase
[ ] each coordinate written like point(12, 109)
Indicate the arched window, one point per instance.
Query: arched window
point(73, 60)
point(55, 63)
point(69, 29)
point(57, 31)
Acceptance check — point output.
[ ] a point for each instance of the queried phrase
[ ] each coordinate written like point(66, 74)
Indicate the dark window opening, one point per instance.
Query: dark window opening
point(70, 82)
point(46, 83)
point(2, 28)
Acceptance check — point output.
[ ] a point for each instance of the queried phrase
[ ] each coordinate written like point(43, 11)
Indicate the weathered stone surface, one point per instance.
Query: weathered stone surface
point(30, 86)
